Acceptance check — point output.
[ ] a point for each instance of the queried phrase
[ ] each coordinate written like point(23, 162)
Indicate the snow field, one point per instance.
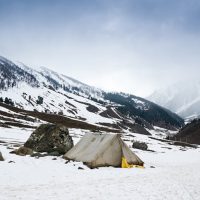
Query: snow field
point(176, 175)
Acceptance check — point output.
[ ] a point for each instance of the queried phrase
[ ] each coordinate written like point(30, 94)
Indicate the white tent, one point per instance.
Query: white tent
point(98, 150)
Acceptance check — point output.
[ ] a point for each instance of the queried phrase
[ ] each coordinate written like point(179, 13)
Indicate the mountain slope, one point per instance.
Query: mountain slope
point(44, 90)
point(189, 133)
point(11, 74)
point(182, 98)
point(143, 109)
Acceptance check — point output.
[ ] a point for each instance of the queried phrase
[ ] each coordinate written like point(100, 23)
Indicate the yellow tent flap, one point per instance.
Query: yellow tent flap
point(126, 165)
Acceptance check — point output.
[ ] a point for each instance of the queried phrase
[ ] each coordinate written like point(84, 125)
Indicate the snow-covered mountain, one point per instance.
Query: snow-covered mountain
point(43, 90)
point(182, 98)
point(29, 97)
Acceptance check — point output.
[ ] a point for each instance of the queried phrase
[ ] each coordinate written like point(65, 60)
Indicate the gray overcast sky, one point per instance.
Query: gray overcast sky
point(134, 46)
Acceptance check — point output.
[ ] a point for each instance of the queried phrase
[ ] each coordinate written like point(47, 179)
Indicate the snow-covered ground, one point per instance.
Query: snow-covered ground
point(176, 174)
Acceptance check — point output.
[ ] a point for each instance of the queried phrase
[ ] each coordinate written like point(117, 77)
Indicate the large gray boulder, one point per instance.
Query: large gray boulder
point(1, 157)
point(140, 145)
point(50, 138)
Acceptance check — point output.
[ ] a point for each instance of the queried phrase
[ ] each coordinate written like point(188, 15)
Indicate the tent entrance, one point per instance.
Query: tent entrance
point(125, 164)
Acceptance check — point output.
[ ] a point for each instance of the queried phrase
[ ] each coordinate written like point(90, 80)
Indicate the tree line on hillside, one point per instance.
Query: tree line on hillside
point(7, 101)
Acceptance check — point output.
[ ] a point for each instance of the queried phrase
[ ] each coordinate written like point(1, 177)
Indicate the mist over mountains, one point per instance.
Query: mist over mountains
point(182, 98)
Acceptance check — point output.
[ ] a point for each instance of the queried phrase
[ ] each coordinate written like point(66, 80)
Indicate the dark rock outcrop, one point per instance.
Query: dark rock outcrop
point(134, 127)
point(140, 145)
point(1, 157)
point(92, 108)
point(50, 138)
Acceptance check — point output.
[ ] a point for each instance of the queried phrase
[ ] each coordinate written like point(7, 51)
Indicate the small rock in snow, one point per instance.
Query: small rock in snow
point(1, 157)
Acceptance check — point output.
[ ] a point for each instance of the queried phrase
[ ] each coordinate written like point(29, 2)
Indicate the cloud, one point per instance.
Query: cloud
point(133, 46)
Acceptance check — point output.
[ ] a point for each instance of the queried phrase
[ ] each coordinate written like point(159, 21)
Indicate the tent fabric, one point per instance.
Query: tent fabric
point(126, 165)
point(98, 150)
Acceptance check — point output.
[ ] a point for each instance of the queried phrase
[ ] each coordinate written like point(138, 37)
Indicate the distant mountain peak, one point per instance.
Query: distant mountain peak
point(182, 98)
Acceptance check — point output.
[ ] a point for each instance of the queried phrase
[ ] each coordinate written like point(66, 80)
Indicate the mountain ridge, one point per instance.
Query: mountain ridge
point(45, 90)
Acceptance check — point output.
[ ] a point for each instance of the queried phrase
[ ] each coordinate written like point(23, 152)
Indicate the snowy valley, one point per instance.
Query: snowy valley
point(31, 97)
point(170, 173)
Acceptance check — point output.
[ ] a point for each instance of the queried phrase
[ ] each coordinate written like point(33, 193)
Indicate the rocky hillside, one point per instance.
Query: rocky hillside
point(190, 133)
point(144, 111)
point(44, 91)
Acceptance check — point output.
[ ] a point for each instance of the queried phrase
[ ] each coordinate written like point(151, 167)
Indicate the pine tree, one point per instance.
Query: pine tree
point(39, 100)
